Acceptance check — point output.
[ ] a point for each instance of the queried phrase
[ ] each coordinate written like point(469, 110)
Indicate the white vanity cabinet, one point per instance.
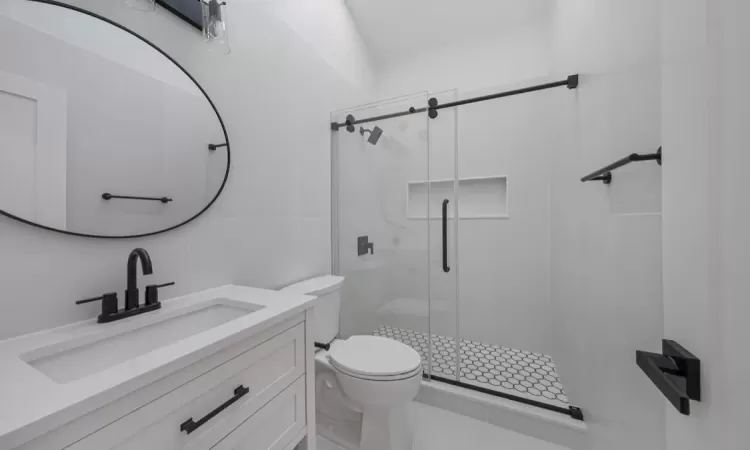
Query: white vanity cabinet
point(257, 394)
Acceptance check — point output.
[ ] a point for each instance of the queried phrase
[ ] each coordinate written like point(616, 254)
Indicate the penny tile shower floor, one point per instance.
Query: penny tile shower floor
point(506, 370)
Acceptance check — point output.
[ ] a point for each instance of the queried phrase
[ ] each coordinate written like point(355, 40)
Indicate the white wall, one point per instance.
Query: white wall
point(271, 227)
point(502, 266)
point(735, 221)
point(705, 72)
point(603, 243)
point(390, 286)
point(327, 26)
point(515, 53)
point(67, 25)
point(606, 287)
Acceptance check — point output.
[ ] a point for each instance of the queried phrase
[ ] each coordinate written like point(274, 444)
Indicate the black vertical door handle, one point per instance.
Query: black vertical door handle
point(446, 268)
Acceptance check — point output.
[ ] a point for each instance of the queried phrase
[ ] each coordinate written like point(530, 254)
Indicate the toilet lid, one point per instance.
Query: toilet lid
point(375, 356)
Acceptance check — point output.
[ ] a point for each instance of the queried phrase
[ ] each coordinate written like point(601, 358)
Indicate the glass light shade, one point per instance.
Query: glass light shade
point(215, 30)
point(142, 5)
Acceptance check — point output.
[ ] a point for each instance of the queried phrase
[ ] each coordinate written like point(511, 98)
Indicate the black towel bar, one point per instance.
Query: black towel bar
point(605, 173)
point(108, 196)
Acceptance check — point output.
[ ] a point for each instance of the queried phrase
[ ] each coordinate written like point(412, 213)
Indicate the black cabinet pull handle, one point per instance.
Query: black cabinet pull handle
point(189, 426)
point(446, 268)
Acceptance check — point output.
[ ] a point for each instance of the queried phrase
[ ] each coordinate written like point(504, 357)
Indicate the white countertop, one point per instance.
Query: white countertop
point(31, 404)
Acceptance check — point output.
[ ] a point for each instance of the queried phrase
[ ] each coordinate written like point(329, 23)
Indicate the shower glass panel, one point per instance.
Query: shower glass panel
point(504, 183)
point(470, 237)
point(444, 242)
point(381, 240)
point(442, 228)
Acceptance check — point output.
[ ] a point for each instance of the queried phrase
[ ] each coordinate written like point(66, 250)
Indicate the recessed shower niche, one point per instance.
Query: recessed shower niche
point(478, 198)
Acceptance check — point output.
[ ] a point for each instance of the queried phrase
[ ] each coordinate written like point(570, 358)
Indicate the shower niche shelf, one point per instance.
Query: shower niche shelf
point(478, 198)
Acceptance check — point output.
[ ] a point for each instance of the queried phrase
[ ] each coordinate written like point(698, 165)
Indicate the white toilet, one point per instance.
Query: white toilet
point(363, 383)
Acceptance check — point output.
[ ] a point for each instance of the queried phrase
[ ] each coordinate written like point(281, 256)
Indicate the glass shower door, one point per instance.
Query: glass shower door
point(507, 147)
point(443, 227)
point(381, 238)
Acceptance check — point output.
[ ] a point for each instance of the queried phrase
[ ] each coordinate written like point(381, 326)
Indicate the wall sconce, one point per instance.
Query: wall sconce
point(209, 16)
point(215, 30)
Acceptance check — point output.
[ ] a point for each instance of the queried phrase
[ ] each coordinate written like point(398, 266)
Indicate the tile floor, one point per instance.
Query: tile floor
point(438, 429)
point(516, 372)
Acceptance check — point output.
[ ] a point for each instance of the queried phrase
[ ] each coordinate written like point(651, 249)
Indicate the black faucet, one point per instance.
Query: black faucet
point(133, 307)
point(131, 294)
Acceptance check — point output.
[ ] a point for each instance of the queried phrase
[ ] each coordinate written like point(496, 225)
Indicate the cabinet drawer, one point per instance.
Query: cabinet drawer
point(275, 426)
point(263, 372)
point(62, 435)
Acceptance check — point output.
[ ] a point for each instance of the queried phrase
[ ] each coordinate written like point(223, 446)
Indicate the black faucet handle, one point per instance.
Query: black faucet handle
point(109, 303)
point(90, 300)
point(152, 292)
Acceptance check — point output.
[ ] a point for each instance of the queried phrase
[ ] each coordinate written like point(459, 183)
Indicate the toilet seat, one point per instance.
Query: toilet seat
point(375, 358)
point(416, 372)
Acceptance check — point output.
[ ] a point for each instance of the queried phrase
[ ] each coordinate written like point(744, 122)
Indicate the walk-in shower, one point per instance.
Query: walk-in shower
point(458, 200)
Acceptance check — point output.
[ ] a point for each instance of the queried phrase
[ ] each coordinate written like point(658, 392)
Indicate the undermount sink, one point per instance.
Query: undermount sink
point(73, 360)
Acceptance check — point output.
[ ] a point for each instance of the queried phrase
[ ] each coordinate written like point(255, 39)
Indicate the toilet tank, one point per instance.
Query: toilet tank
point(326, 311)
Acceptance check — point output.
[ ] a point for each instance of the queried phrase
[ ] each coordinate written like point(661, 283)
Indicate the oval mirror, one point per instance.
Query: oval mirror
point(102, 134)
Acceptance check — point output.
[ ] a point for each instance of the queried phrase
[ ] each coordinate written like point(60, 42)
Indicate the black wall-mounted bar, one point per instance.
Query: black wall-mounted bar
point(572, 411)
point(351, 122)
point(676, 372)
point(605, 173)
point(571, 83)
point(108, 196)
point(213, 147)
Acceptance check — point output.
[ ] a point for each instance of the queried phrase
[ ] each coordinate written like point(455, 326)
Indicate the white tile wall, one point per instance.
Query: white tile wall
point(603, 243)
point(704, 77)
point(606, 288)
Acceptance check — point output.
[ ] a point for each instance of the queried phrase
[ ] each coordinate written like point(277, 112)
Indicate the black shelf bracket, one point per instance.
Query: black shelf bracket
point(605, 173)
point(676, 372)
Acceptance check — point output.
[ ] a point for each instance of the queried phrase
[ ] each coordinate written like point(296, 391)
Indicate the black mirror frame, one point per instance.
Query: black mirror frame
point(221, 122)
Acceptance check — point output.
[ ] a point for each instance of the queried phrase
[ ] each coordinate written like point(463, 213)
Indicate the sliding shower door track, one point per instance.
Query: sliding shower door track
point(572, 411)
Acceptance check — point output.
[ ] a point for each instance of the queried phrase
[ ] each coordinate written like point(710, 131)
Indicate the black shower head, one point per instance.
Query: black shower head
point(375, 134)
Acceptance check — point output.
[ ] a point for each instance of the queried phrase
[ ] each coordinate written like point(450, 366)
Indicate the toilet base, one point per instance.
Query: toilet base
point(377, 429)
point(386, 429)
point(373, 418)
